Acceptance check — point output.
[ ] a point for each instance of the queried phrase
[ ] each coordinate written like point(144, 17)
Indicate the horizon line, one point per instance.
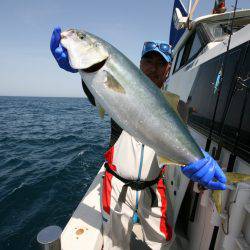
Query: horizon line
point(43, 96)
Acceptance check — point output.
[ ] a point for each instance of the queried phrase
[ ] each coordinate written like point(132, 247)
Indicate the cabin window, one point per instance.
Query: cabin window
point(189, 51)
point(195, 48)
point(232, 128)
point(203, 98)
point(221, 31)
point(178, 60)
point(217, 31)
point(237, 122)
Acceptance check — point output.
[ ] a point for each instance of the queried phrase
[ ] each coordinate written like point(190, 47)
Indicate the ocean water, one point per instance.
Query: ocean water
point(50, 151)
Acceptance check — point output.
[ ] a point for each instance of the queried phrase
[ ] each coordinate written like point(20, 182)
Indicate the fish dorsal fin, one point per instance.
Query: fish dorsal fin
point(101, 110)
point(113, 84)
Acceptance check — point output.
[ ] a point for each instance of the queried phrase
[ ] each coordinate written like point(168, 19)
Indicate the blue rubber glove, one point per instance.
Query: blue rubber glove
point(205, 171)
point(59, 52)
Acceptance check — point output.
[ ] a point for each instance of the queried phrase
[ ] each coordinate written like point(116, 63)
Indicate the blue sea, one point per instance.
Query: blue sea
point(50, 151)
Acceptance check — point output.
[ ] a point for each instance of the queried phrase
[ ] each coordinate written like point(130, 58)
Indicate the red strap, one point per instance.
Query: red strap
point(107, 187)
point(165, 228)
point(109, 155)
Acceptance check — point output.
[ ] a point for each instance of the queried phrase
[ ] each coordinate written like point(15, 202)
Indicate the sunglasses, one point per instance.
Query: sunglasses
point(163, 47)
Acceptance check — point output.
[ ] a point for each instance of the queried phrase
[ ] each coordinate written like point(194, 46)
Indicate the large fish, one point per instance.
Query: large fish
point(130, 97)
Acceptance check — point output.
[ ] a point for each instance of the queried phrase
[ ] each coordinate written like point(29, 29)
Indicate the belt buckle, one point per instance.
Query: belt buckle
point(133, 185)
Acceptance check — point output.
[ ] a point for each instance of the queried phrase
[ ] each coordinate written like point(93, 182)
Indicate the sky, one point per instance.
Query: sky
point(27, 67)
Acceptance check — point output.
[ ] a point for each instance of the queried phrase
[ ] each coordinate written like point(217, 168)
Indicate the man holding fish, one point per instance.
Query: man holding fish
point(133, 184)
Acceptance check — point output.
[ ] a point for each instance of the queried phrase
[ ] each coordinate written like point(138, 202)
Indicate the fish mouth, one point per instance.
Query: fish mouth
point(95, 67)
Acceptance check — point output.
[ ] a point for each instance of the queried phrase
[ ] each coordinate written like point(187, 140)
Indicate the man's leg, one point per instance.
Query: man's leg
point(156, 230)
point(117, 229)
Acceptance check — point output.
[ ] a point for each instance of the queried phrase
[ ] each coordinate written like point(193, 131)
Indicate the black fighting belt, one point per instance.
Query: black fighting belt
point(135, 185)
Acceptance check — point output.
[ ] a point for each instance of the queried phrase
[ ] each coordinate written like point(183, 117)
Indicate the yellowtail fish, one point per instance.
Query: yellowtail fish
point(130, 97)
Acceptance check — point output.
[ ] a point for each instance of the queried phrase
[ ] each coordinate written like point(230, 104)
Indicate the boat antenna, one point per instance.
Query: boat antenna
point(189, 6)
point(191, 12)
point(217, 89)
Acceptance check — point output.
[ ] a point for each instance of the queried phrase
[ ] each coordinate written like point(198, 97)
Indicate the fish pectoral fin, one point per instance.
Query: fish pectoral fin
point(113, 84)
point(101, 110)
point(164, 161)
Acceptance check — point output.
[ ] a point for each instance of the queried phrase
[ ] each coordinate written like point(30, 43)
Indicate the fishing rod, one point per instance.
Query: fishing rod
point(189, 6)
point(241, 85)
point(193, 9)
point(218, 151)
point(218, 85)
point(191, 12)
point(219, 80)
point(228, 104)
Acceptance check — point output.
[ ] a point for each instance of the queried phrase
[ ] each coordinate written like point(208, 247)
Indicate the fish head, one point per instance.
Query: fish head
point(84, 49)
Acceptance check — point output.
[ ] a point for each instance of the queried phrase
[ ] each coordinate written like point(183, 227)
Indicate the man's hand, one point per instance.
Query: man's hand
point(205, 171)
point(59, 52)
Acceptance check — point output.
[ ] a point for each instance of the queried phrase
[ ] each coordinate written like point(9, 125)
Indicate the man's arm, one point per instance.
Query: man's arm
point(116, 130)
point(88, 93)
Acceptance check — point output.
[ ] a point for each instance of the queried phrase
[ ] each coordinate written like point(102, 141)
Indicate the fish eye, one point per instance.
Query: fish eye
point(81, 35)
